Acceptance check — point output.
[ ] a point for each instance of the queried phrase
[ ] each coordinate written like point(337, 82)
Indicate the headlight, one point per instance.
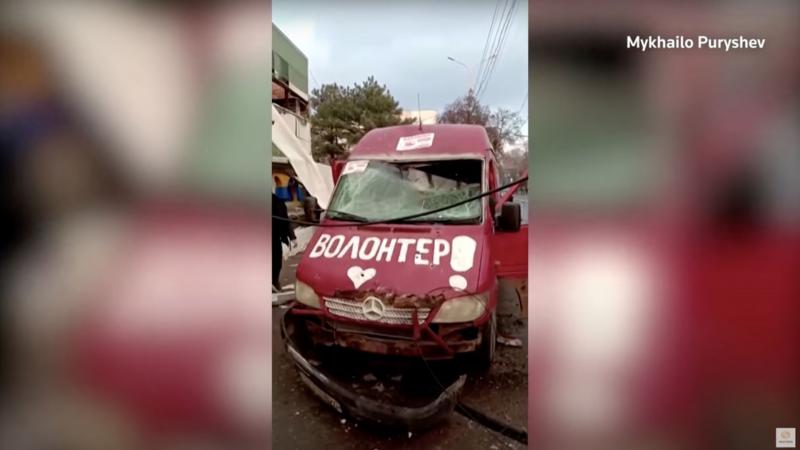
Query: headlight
point(305, 294)
point(462, 309)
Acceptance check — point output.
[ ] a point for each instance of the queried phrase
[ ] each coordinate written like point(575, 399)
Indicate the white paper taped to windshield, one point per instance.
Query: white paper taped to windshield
point(355, 167)
point(415, 142)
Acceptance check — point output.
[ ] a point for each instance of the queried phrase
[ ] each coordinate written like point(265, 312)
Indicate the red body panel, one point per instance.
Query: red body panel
point(336, 169)
point(439, 259)
point(509, 253)
point(449, 141)
point(329, 275)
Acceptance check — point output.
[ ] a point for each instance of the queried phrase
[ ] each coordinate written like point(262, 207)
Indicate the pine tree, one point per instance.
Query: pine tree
point(342, 115)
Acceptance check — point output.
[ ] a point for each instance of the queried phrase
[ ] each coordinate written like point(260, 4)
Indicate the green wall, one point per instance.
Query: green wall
point(288, 61)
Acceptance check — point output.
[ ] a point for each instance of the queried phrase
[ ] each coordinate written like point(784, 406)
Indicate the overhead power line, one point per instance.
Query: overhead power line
point(485, 53)
point(409, 217)
point(498, 49)
point(522, 105)
point(491, 39)
point(499, 43)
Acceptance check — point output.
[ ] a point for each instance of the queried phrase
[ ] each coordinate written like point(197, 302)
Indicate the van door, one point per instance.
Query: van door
point(510, 248)
point(511, 253)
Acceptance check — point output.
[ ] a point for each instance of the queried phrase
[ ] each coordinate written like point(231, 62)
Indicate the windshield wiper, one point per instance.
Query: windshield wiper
point(461, 221)
point(347, 216)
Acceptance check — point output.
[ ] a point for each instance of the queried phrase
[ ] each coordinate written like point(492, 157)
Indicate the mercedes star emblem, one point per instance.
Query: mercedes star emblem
point(372, 308)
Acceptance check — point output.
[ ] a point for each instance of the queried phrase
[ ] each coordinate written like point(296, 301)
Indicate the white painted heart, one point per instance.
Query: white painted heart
point(360, 276)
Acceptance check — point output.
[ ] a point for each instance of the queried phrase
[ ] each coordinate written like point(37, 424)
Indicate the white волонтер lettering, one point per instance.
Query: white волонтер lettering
point(425, 251)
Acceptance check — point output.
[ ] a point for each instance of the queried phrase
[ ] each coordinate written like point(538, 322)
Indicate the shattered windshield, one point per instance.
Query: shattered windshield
point(376, 190)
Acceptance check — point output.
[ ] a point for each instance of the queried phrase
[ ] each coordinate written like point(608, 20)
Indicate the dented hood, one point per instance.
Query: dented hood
point(421, 260)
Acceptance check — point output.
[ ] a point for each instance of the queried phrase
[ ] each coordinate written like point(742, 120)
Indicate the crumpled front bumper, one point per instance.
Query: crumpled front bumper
point(346, 401)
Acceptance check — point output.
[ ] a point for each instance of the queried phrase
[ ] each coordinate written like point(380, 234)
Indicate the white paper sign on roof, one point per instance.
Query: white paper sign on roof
point(415, 142)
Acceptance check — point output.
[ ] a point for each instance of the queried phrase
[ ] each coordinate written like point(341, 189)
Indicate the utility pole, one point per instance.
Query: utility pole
point(470, 71)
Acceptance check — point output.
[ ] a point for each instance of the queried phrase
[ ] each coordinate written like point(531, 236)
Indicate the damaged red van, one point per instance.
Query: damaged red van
point(426, 285)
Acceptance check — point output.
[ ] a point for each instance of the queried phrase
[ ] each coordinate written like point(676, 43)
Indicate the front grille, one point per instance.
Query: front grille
point(351, 309)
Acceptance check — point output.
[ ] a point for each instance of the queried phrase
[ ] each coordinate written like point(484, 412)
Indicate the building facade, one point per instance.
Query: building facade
point(290, 100)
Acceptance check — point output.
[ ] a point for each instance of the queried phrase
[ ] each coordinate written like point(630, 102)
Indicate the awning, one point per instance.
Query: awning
point(317, 178)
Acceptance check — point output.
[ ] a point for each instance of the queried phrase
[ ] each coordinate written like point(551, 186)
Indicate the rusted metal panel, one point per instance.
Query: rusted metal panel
point(445, 342)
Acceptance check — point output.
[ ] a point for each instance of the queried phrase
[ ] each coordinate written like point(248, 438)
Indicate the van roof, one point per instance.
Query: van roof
point(448, 140)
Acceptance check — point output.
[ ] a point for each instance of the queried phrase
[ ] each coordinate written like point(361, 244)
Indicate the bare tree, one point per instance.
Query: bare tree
point(501, 125)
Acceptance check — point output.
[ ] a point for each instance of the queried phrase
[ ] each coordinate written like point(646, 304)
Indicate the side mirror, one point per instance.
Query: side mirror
point(310, 209)
point(510, 218)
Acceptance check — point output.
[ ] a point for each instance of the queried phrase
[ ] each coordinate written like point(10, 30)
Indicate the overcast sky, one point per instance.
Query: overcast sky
point(405, 45)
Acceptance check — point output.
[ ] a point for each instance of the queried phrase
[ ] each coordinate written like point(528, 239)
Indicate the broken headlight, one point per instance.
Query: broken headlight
point(462, 309)
point(305, 294)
